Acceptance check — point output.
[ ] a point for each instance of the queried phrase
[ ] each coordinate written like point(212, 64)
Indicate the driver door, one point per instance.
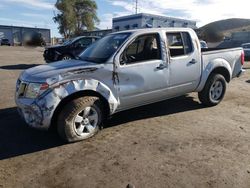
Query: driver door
point(142, 72)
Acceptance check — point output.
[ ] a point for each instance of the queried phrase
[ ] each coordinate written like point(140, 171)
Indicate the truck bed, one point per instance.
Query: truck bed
point(217, 49)
point(231, 55)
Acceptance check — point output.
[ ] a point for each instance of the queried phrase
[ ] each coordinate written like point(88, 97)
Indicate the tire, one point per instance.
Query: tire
point(214, 90)
point(80, 119)
point(66, 57)
point(43, 44)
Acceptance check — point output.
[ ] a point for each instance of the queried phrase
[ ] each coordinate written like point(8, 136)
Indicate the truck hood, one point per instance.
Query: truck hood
point(52, 71)
point(55, 46)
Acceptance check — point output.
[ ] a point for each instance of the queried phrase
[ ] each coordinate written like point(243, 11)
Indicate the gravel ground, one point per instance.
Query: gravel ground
point(175, 143)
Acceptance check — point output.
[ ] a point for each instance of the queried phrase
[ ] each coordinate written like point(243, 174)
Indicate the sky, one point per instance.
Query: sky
point(39, 13)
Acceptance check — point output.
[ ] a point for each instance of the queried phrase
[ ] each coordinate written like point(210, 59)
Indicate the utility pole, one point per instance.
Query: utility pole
point(136, 6)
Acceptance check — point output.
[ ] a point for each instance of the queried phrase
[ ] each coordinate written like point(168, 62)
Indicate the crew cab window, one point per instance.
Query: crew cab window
point(144, 48)
point(179, 44)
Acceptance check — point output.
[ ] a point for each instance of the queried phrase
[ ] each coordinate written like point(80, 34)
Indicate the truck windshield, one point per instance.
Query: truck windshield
point(103, 49)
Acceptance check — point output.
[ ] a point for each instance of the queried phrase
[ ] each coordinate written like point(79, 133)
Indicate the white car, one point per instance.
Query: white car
point(246, 48)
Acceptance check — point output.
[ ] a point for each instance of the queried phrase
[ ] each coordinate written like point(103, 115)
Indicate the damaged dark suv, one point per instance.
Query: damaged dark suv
point(70, 49)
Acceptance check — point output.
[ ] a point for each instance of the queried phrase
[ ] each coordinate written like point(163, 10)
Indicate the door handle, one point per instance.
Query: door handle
point(193, 61)
point(161, 66)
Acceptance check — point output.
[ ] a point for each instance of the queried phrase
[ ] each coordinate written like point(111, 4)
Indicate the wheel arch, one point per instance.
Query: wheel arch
point(223, 71)
point(219, 66)
point(76, 95)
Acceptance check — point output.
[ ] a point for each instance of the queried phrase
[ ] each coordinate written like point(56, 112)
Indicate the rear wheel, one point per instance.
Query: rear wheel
point(80, 119)
point(214, 90)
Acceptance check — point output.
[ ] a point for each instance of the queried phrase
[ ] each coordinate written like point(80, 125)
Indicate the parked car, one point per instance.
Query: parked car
point(5, 42)
point(121, 71)
point(70, 49)
point(203, 44)
point(33, 38)
point(246, 48)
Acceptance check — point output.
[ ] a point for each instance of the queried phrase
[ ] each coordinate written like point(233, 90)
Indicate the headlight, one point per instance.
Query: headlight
point(35, 89)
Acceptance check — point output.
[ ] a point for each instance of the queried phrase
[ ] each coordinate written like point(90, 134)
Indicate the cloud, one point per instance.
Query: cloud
point(33, 3)
point(106, 20)
point(25, 23)
point(203, 11)
point(42, 16)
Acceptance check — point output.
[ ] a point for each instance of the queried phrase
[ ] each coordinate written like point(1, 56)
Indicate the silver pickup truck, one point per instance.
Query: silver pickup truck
point(121, 71)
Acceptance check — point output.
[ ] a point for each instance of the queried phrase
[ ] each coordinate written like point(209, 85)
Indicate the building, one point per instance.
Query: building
point(143, 20)
point(17, 35)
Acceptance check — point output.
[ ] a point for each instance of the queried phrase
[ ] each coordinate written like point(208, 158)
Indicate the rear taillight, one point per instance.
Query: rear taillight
point(242, 57)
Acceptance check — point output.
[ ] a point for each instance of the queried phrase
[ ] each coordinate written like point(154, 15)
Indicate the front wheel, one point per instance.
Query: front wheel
point(80, 119)
point(66, 57)
point(214, 90)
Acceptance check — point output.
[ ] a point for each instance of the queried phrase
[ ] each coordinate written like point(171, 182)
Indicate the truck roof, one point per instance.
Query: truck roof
point(169, 29)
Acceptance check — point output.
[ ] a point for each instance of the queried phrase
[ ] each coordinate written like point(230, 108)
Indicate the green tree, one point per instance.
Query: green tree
point(75, 16)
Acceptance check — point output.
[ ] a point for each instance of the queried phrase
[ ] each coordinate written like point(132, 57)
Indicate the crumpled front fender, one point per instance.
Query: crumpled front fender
point(49, 103)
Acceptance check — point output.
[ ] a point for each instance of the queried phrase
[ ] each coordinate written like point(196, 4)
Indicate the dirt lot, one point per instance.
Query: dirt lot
point(176, 143)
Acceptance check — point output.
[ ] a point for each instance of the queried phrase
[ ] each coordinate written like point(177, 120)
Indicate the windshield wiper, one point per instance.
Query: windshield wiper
point(85, 59)
point(92, 59)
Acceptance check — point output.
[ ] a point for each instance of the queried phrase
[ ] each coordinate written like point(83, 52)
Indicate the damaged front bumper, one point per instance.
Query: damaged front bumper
point(38, 112)
point(32, 114)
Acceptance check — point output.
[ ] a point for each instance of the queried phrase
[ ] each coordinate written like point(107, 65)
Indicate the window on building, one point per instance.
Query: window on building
point(179, 44)
point(144, 48)
point(172, 23)
point(127, 27)
point(117, 28)
point(185, 24)
point(135, 26)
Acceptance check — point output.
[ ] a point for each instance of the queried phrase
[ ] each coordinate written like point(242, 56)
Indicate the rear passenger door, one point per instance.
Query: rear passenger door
point(184, 65)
